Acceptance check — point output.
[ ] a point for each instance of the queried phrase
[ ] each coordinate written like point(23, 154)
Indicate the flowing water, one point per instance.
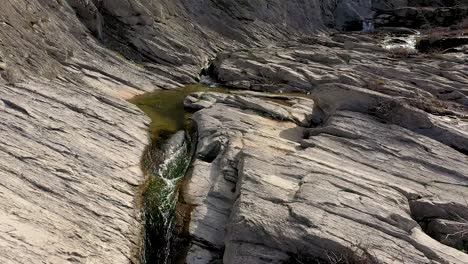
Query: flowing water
point(165, 163)
point(408, 42)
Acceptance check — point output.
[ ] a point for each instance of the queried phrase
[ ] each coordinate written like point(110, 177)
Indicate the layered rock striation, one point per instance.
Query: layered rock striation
point(374, 172)
point(355, 188)
point(70, 145)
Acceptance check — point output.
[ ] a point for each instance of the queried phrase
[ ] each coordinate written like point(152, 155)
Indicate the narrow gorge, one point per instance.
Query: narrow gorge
point(222, 131)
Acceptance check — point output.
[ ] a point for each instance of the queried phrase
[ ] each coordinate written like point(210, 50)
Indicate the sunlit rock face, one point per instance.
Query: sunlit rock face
point(380, 156)
point(273, 191)
point(71, 145)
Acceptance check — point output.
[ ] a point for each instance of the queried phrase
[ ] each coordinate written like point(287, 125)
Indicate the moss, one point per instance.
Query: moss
point(177, 168)
point(160, 200)
point(160, 210)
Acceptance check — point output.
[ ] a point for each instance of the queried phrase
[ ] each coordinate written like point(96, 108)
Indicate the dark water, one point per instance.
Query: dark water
point(165, 163)
point(166, 110)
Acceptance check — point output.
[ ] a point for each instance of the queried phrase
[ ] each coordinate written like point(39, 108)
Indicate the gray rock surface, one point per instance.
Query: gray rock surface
point(69, 164)
point(352, 187)
point(422, 14)
point(379, 165)
point(355, 72)
point(70, 145)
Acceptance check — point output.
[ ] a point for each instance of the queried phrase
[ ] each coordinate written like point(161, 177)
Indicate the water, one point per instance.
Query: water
point(166, 110)
point(209, 81)
point(368, 26)
point(165, 163)
point(392, 42)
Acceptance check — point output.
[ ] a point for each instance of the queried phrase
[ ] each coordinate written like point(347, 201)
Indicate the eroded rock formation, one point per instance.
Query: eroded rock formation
point(266, 190)
point(70, 145)
point(377, 164)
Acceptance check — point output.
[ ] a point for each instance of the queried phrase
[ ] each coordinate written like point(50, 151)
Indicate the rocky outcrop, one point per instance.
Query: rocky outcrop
point(353, 59)
point(69, 163)
point(422, 14)
point(71, 145)
point(376, 165)
point(346, 71)
point(266, 190)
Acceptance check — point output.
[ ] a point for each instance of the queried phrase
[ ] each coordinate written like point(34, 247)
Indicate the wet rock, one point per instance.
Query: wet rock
point(452, 233)
point(442, 44)
point(420, 16)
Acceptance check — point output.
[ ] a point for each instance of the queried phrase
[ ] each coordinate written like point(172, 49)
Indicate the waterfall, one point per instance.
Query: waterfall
point(368, 25)
point(166, 164)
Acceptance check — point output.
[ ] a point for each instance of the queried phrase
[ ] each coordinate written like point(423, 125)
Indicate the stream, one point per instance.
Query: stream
point(165, 163)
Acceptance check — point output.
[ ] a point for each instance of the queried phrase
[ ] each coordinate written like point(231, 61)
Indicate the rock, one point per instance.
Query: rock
point(296, 109)
point(89, 15)
point(364, 84)
point(174, 143)
point(353, 12)
point(318, 197)
point(197, 101)
point(72, 198)
point(418, 15)
point(130, 12)
point(450, 233)
point(441, 44)
point(70, 145)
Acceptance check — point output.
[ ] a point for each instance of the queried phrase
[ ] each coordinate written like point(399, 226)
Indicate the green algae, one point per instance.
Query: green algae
point(166, 110)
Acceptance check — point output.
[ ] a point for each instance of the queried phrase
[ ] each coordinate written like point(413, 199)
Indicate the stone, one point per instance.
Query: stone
point(130, 12)
point(71, 145)
point(89, 14)
point(291, 198)
point(450, 233)
point(70, 171)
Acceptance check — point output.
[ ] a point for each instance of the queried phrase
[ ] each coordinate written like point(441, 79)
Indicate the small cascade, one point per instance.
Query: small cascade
point(207, 76)
point(165, 163)
point(368, 25)
point(209, 81)
point(401, 41)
